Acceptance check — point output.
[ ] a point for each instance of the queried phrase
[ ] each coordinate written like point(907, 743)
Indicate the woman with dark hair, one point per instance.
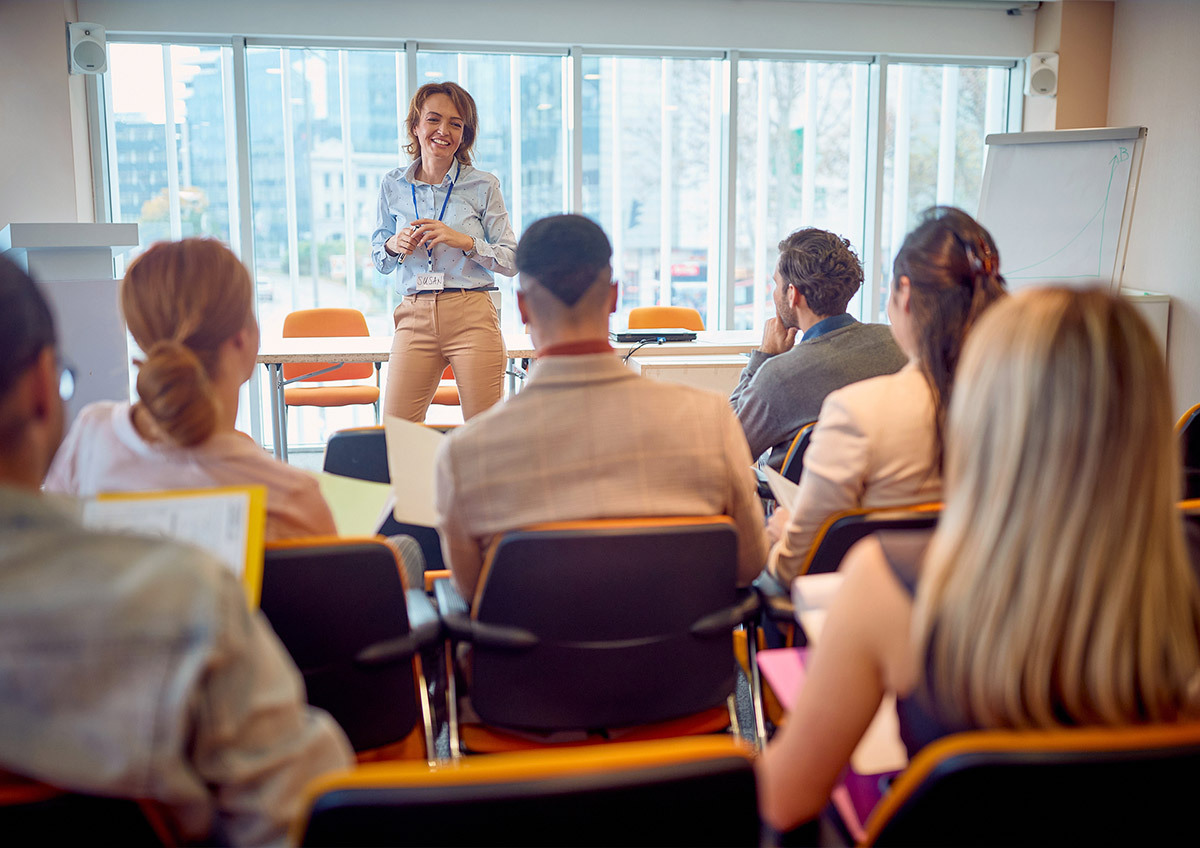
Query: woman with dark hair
point(878, 442)
point(444, 229)
point(188, 305)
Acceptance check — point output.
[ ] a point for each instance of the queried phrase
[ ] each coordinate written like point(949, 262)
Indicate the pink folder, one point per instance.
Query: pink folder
point(856, 794)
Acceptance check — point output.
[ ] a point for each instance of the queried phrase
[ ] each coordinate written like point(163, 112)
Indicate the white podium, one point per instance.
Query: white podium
point(73, 263)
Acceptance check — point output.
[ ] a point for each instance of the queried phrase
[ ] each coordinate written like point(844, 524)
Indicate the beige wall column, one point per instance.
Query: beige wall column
point(45, 162)
point(1085, 52)
point(1155, 74)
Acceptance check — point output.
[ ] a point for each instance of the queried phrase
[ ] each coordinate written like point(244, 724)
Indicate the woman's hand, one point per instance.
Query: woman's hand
point(429, 232)
point(777, 524)
point(402, 243)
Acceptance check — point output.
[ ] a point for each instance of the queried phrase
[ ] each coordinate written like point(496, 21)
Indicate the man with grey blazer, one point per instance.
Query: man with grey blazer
point(786, 381)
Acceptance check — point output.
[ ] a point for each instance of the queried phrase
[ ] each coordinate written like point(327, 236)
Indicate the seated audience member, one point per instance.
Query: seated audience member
point(131, 666)
point(188, 306)
point(878, 442)
point(587, 437)
point(1056, 589)
point(783, 386)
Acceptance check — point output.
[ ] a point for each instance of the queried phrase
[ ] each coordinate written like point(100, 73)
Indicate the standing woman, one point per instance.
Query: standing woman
point(444, 225)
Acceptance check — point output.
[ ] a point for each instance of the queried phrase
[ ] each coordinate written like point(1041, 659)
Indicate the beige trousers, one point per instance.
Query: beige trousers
point(436, 329)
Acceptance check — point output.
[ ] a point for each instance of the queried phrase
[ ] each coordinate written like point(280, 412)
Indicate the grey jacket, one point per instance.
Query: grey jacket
point(777, 395)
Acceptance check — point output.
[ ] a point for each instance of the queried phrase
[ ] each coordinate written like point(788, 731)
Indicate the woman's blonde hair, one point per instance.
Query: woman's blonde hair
point(463, 102)
point(182, 300)
point(1057, 589)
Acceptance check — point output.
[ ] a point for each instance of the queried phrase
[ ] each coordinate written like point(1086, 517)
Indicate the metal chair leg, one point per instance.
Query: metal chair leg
point(452, 703)
point(756, 695)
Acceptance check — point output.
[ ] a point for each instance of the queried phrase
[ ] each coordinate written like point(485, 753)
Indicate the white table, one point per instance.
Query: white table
point(274, 353)
point(336, 350)
point(716, 373)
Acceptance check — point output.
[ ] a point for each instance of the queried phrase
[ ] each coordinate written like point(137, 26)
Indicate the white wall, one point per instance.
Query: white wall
point(45, 166)
point(1155, 82)
point(749, 24)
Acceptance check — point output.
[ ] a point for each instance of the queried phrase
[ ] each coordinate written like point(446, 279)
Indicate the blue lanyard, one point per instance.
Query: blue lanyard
point(417, 212)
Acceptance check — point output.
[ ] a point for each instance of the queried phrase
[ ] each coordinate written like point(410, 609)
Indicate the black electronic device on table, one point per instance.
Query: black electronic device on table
point(660, 334)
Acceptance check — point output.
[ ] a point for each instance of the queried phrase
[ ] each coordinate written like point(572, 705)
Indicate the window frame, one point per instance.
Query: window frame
point(724, 135)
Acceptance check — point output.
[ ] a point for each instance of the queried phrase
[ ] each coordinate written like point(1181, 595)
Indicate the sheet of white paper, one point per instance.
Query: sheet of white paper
point(410, 449)
point(783, 488)
point(880, 749)
point(218, 523)
point(811, 595)
point(355, 504)
point(815, 591)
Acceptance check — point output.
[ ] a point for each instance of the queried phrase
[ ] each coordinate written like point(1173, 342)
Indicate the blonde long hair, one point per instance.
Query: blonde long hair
point(1057, 588)
point(182, 300)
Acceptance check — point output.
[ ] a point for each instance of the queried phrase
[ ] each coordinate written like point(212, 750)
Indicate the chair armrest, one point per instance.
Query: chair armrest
point(423, 618)
point(764, 488)
point(775, 599)
point(424, 627)
point(779, 608)
point(458, 624)
point(721, 622)
point(448, 599)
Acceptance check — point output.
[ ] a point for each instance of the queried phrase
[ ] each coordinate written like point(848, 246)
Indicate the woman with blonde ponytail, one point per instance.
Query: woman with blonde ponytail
point(1056, 589)
point(188, 305)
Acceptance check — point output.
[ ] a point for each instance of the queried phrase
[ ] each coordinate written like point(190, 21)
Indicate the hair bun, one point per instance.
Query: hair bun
point(175, 389)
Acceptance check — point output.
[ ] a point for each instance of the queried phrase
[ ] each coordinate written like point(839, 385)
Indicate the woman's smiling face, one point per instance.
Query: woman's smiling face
point(439, 130)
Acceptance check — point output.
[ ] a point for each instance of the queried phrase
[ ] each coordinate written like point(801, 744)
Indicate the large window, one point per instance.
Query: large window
point(170, 163)
point(323, 132)
point(694, 202)
point(801, 162)
point(651, 176)
point(937, 119)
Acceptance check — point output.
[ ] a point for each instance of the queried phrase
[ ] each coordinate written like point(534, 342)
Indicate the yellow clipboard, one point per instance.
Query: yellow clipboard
point(227, 521)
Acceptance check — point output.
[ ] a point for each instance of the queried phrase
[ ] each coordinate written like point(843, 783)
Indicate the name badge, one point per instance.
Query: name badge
point(433, 281)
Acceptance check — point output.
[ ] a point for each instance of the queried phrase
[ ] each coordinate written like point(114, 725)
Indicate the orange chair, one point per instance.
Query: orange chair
point(447, 392)
point(314, 323)
point(659, 317)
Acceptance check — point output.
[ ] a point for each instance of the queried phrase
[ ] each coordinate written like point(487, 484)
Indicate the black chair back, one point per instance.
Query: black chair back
point(615, 616)
point(1128, 786)
point(360, 453)
point(328, 603)
point(843, 530)
point(1189, 447)
point(660, 801)
point(793, 463)
point(49, 817)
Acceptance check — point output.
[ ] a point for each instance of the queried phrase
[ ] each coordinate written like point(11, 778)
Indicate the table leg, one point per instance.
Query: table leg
point(282, 403)
point(278, 425)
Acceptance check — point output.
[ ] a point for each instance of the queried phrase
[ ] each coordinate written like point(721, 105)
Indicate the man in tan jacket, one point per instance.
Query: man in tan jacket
point(588, 438)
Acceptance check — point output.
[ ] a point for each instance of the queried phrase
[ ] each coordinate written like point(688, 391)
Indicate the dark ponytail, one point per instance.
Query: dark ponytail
point(953, 269)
